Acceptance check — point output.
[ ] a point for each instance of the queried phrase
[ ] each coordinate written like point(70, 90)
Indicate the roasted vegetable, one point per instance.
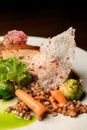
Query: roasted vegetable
point(7, 90)
point(12, 72)
point(72, 89)
point(24, 79)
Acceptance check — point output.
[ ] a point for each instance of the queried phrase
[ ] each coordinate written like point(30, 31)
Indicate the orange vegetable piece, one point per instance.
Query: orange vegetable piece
point(34, 105)
point(59, 97)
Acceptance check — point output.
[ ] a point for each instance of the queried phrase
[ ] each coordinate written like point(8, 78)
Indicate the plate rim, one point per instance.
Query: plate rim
point(60, 118)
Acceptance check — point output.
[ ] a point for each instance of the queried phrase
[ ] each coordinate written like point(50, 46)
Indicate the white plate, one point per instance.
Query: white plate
point(62, 122)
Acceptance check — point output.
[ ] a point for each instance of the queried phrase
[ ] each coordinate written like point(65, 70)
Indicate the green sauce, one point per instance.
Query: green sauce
point(9, 121)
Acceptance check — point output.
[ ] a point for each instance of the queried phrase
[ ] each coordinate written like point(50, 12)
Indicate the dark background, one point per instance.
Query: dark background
point(45, 18)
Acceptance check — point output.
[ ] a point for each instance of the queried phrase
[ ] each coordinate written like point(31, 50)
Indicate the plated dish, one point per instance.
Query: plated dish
point(60, 121)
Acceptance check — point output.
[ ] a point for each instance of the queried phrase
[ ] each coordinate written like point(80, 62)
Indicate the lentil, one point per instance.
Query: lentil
point(72, 108)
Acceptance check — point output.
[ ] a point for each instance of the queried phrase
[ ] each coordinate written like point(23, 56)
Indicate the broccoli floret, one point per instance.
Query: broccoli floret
point(72, 89)
point(24, 79)
point(7, 90)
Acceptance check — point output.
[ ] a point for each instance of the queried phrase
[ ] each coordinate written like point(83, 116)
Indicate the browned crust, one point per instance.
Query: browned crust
point(6, 51)
point(16, 47)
